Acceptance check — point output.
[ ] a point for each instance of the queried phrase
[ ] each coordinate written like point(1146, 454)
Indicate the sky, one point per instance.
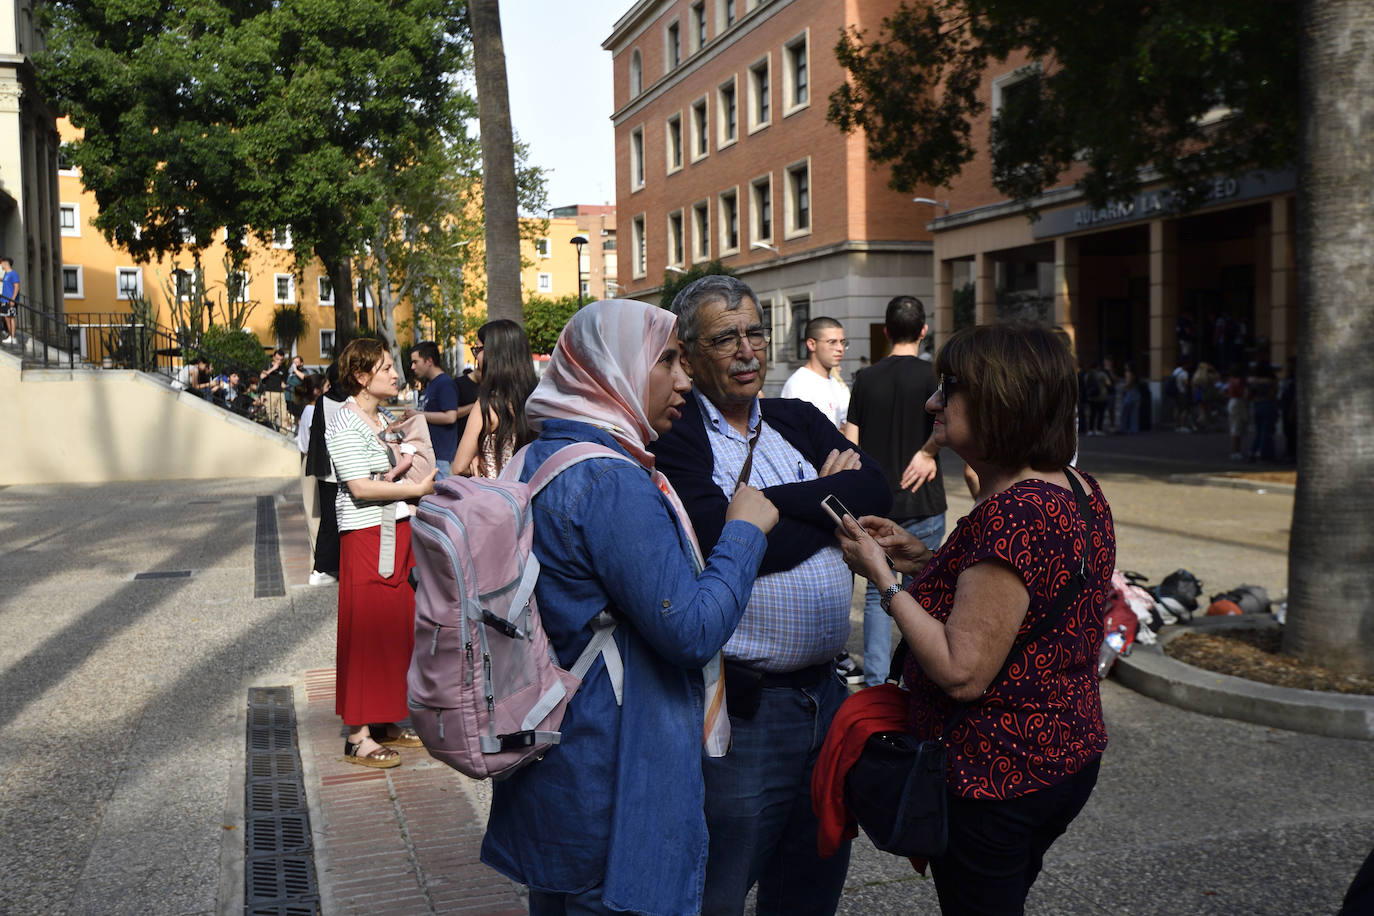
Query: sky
point(560, 92)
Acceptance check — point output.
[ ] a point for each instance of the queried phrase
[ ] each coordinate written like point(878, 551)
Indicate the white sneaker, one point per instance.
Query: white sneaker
point(321, 578)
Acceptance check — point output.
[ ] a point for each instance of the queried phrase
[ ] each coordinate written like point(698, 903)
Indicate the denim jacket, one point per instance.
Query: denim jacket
point(619, 801)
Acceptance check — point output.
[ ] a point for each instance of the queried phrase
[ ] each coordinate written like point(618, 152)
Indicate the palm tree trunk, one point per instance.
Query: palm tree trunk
point(1330, 571)
point(498, 162)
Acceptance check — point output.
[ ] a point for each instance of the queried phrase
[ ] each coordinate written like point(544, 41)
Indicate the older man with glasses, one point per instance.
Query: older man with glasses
point(781, 685)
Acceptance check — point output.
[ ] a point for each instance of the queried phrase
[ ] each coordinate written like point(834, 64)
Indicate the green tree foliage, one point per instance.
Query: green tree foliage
point(1191, 89)
point(545, 319)
point(674, 282)
point(232, 348)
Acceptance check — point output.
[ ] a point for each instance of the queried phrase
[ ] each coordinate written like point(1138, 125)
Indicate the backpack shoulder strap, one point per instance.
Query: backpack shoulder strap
point(566, 457)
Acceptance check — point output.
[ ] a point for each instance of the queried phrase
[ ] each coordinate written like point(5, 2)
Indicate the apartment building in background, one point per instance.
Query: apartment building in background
point(723, 152)
point(552, 266)
point(28, 164)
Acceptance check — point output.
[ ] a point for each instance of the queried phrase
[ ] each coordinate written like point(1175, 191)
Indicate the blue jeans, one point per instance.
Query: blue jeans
point(444, 469)
point(877, 625)
point(587, 903)
point(758, 809)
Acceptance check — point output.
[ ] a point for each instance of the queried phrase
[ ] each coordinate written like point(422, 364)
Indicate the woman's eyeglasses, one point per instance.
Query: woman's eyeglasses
point(948, 385)
point(476, 351)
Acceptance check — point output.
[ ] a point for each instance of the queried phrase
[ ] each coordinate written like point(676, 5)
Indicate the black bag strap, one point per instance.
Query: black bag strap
point(1067, 595)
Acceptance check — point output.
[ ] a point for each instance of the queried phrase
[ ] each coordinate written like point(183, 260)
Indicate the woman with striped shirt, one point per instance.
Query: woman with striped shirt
point(376, 603)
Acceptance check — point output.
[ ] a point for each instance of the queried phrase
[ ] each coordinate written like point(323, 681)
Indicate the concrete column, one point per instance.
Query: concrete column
point(1283, 280)
point(984, 289)
point(1163, 296)
point(942, 319)
point(1066, 286)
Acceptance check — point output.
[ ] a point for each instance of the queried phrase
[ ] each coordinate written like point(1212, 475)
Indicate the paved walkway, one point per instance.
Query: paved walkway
point(122, 706)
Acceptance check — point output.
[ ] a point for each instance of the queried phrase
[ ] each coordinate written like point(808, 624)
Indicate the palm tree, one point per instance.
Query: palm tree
point(498, 162)
point(1330, 575)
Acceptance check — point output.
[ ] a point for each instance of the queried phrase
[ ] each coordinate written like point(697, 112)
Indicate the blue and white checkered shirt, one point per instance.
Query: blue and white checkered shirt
point(795, 618)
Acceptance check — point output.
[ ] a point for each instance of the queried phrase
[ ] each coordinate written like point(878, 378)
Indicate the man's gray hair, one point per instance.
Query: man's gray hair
point(710, 288)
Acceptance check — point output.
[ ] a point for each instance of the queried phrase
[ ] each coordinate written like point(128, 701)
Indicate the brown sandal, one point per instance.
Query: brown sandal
point(395, 736)
point(382, 758)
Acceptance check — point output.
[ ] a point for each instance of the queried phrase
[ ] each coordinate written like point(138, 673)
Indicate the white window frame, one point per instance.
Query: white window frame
point(290, 298)
point(543, 248)
point(327, 352)
point(71, 172)
point(723, 110)
point(727, 14)
point(177, 274)
point(789, 73)
point(1000, 84)
point(120, 274)
point(755, 122)
point(80, 292)
point(639, 247)
point(698, 37)
point(669, 27)
point(636, 73)
point(699, 144)
point(281, 238)
point(324, 291)
point(544, 282)
point(755, 228)
point(701, 230)
point(639, 172)
point(722, 219)
point(790, 229)
point(74, 230)
point(672, 122)
point(677, 239)
point(796, 330)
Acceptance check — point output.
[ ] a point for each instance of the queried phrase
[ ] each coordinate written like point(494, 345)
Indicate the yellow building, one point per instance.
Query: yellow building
point(552, 270)
point(98, 278)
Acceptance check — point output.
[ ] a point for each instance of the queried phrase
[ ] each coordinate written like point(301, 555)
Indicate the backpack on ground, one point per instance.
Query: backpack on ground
point(1250, 599)
point(486, 694)
point(1179, 593)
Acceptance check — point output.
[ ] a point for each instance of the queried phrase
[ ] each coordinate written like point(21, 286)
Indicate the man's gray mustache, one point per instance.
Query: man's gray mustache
point(739, 366)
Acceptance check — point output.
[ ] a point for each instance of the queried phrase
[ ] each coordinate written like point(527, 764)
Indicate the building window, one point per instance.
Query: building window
point(68, 219)
point(284, 289)
point(701, 136)
point(637, 158)
point(760, 105)
point(701, 229)
point(636, 73)
point(541, 248)
point(761, 208)
point(727, 14)
point(73, 282)
point(674, 142)
point(729, 222)
point(698, 25)
point(641, 246)
point(64, 160)
point(798, 199)
point(725, 111)
point(327, 343)
point(545, 283)
point(672, 47)
point(183, 281)
point(676, 254)
point(128, 282)
point(326, 291)
point(766, 319)
point(796, 82)
point(801, 316)
point(236, 285)
point(281, 238)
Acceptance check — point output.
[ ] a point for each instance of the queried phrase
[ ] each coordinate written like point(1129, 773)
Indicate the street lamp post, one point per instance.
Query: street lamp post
point(578, 241)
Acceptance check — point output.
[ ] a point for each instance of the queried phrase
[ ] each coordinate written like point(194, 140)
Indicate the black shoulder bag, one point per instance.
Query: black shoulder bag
point(896, 789)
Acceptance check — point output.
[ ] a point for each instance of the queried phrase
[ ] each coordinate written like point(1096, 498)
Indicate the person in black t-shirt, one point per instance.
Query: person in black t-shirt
point(888, 420)
point(272, 385)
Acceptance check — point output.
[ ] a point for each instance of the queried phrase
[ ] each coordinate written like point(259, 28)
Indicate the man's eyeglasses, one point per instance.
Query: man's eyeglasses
point(728, 343)
point(948, 385)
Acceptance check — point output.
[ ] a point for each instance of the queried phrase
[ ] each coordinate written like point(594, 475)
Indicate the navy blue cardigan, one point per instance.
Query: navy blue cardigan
point(684, 456)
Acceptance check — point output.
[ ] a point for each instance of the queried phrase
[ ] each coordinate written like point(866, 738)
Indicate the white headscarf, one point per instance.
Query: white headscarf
point(599, 372)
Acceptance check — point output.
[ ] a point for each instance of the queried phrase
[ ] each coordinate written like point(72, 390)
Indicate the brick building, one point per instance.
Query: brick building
point(1123, 279)
point(552, 262)
point(723, 151)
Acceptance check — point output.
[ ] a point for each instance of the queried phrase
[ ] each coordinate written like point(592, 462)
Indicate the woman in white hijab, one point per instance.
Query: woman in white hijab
point(611, 819)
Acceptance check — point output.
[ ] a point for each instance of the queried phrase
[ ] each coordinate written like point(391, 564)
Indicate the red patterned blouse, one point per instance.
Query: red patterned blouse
point(1042, 722)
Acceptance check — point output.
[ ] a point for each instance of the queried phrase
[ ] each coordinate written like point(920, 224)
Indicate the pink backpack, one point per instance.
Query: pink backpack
point(487, 695)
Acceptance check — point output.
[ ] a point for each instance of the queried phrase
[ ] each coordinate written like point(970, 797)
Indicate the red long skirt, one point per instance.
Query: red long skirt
point(376, 629)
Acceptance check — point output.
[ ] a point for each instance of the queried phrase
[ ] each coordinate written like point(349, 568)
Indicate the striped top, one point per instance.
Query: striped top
point(357, 453)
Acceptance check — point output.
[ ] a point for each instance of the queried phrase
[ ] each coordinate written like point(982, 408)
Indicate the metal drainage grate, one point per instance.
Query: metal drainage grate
point(279, 869)
point(267, 577)
point(164, 574)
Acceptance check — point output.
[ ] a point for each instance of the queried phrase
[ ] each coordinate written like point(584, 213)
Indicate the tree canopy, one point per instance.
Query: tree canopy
point(1191, 89)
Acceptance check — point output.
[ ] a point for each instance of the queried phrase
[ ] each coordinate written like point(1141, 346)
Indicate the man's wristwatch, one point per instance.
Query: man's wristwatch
point(885, 599)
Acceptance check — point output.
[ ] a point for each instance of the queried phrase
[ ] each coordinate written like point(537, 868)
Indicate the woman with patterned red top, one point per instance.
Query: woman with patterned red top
point(1023, 758)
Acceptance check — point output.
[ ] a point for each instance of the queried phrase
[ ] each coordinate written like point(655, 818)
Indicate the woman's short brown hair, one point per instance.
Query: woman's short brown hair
point(360, 357)
point(1021, 389)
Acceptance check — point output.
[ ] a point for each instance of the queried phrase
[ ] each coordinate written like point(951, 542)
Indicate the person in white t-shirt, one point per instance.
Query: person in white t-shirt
point(813, 382)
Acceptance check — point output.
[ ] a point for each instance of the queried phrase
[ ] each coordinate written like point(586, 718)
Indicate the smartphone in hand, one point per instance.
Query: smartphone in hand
point(836, 509)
